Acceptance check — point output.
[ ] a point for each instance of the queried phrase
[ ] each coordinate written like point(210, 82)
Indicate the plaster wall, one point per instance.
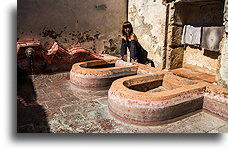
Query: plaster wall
point(148, 18)
point(94, 24)
point(222, 76)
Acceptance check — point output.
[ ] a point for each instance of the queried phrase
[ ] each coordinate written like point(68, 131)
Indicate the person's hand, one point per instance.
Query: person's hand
point(164, 3)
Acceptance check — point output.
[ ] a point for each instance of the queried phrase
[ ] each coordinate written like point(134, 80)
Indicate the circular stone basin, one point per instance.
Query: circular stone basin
point(153, 99)
point(99, 73)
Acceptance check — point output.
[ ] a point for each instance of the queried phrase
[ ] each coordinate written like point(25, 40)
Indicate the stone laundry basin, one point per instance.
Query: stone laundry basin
point(99, 73)
point(153, 99)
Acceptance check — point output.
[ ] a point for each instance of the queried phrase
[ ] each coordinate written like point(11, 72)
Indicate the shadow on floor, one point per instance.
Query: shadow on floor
point(31, 117)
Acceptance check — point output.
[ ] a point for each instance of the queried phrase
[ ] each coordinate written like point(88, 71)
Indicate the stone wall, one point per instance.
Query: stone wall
point(174, 48)
point(148, 18)
point(222, 72)
point(200, 60)
point(203, 13)
point(94, 24)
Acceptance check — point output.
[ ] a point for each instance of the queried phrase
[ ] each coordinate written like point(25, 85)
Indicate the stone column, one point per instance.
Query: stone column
point(174, 49)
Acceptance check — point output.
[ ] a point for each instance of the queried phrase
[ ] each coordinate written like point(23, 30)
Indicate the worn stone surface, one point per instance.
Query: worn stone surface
point(226, 16)
point(174, 39)
point(216, 100)
point(215, 106)
point(150, 32)
point(222, 70)
point(222, 77)
point(193, 75)
point(194, 58)
point(47, 58)
point(175, 58)
point(215, 96)
point(146, 69)
point(87, 111)
point(91, 24)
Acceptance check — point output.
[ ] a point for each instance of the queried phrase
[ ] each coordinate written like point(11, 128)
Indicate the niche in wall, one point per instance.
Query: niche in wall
point(204, 13)
point(199, 13)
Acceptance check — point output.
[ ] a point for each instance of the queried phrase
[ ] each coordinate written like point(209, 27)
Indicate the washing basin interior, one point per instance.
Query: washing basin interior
point(157, 83)
point(98, 64)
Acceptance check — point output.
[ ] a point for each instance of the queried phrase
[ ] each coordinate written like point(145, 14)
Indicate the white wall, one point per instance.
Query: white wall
point(148, 19)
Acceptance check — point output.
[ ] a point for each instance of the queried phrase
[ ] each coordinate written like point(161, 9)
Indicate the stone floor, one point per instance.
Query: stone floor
point(50, 103)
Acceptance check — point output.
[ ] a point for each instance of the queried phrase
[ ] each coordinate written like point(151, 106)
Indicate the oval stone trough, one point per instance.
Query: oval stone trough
point(99, 73)
point(153, 99)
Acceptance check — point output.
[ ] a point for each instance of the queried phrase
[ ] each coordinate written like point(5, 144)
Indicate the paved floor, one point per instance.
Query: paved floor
point(50, 103)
